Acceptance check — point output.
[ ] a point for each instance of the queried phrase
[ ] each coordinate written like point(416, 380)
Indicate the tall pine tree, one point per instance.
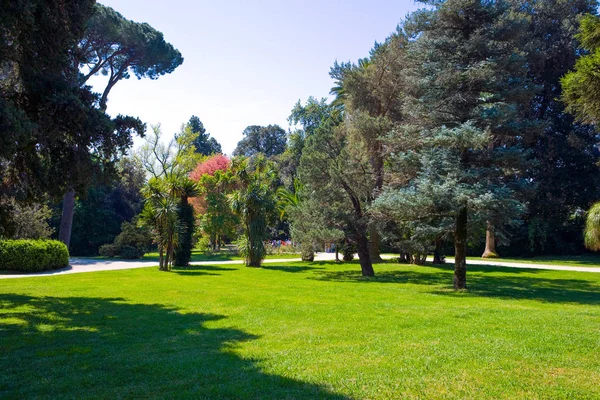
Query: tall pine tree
point(467, 82)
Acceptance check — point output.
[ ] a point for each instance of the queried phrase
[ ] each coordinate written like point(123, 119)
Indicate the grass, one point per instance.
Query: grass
point(584, 260)
point(301, 331)
point(198, 255)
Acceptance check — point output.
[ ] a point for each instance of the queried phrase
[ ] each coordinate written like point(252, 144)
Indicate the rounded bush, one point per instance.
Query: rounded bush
point(109, 250)
point(33, 255)
point(131, 253)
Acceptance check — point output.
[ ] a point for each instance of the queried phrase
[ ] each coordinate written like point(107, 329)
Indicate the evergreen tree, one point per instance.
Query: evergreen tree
point(468, 81)
point(267, 140)
point(338, 178)
point(117, 48)
point(373, 94)
point(564, 176)
point(204, 143)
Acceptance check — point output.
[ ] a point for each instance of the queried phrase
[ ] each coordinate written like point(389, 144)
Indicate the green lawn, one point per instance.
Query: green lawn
point(301, 331)
point(198, 255)
point(584, 260)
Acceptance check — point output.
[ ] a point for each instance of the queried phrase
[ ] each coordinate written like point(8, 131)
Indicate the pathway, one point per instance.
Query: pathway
point(80, 265)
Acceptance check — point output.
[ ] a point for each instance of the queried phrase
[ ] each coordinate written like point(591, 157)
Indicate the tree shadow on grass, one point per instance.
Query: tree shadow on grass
point(292, 269)
point(484, 281)
point(197, 270)
point(106, 348)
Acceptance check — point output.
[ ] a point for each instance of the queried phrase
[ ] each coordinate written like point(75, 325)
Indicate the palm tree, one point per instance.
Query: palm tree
point(287, 199)
point(183, 189)
point(592, 228)
point(161, 214)
point(254, 202)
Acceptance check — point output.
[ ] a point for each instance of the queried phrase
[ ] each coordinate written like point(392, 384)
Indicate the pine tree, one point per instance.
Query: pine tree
point(467, 82)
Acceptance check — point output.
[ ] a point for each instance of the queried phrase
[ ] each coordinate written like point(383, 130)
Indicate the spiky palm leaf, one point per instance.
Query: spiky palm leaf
point(592, 228)
point(254, 202)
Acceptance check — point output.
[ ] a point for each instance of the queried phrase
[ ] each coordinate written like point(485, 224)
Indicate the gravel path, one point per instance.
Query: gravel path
point(80, 265)
point(529, 266)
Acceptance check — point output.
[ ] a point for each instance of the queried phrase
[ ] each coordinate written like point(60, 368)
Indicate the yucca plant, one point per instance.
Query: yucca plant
point(254, 202)
point(161, 214)
point(592, 228)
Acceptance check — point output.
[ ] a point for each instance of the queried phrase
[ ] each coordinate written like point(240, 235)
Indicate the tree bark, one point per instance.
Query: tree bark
point(374, 244)
point(460, 250)
point(490, 243)
point(362, 244)
point(360, 227)
point(161, 259)
point(437, 254)
point(66, 219)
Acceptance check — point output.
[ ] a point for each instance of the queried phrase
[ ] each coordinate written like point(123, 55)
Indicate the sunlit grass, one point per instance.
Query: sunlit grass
point(584, 260)
point(297, 330)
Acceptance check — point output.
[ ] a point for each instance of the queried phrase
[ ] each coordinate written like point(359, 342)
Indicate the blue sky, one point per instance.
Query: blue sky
point(247, 62)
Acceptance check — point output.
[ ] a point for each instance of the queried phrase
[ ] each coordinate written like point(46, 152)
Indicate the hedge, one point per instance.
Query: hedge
point(33, 255)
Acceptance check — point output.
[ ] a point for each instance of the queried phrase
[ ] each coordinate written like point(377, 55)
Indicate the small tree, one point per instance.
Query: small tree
point(254, 202)
point(217, 220)
point(161, 215)
point(185, 188)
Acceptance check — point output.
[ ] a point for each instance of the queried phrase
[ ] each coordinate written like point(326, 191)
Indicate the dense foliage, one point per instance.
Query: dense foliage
point(204, 143)
point(132, 243)
point(33, 255)
point(267, 140)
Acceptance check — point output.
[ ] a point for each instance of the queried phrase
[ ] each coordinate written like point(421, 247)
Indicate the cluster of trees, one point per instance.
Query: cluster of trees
point(57, 141)
point(453, 131)
point(194, 191)
point(471, 126)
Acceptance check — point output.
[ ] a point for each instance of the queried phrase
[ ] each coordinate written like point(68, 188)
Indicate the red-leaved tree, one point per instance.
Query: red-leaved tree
point(212, 164)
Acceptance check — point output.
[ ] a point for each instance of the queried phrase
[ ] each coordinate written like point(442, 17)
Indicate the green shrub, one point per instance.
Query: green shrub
point(132, 243)
point(131, 253)
point(203, 243)
point(33, 255)
point(109, 250)
point(348, 252)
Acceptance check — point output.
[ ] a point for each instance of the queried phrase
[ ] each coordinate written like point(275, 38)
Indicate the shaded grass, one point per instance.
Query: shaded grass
point(299, 330)
point(225, 256)
point(198, 255)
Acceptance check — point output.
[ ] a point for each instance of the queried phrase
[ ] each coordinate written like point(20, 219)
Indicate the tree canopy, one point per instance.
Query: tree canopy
point(204, 143)
point(268, 140)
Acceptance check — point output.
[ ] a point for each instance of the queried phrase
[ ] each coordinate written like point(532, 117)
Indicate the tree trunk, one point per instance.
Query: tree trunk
point(374, 244)
point(490, 243)
point(337, 254)
point(362, 243)
point(170, 250)
point(437, 254)
point(460, 250)
point(170, 265)
point(66, 219)
point(161, 259)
